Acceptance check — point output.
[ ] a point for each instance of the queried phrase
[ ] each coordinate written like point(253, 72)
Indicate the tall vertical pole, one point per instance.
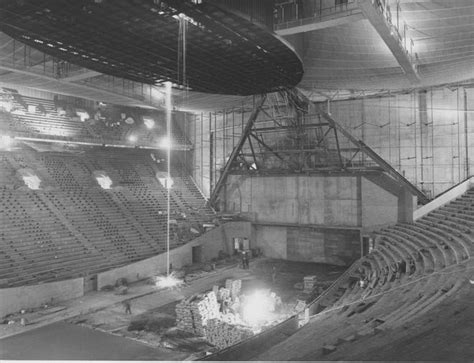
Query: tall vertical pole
point(168, 157)
point(466, 135)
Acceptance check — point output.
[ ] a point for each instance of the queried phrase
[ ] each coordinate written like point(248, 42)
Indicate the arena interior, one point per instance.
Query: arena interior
point(237, 180)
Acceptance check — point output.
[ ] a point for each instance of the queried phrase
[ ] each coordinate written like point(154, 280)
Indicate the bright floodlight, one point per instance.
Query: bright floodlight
point(257, 308)
point(5, 142)
point(104, 181)
point(166, 182)
point(149, 123)
point(83, 115)
point(132, 138)
point(165, 143)
point(167, 281)
point(32, 181)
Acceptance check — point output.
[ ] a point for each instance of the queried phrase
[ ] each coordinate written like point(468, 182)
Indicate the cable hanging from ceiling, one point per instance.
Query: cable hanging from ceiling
point(182, 50)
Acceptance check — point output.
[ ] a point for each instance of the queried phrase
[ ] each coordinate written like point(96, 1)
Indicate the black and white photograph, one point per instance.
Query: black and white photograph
point(237, 180)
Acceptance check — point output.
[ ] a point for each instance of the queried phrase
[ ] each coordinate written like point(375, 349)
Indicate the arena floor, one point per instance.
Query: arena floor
point(88, 336)
point(63, 341)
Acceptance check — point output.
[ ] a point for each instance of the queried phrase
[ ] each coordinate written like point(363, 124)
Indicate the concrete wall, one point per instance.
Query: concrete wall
point(14, 299)
point(272, 241)
point(338, 247)
point(324, 200)
point(309, 244)
point(316, 218)
point(218, 239)
point(428, 136)
point(378, 206)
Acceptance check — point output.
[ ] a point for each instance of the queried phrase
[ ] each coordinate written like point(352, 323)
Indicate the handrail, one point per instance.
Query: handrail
point(445, 197)
point(318, 15)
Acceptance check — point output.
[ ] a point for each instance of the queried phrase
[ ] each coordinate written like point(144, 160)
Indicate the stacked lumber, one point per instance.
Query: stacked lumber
point(234, 286)
point(223, 294)
point(192, 314)
point(222, 335)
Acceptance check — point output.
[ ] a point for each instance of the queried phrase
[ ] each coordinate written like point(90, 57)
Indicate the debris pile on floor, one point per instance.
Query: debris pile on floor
point(222, 334)
point(225, 316)
point(193, 313)
point(234, 287)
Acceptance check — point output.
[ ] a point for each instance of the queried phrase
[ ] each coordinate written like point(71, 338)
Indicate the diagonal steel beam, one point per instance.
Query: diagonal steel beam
point(338, 148)
point(422, 198)
point(253, 152)
point(261, 142)
point(248, 127)
point(390, 36)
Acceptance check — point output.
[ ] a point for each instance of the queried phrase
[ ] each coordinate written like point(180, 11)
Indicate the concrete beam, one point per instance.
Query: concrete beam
point(316, 22)
point(77, 76)
point(383, 28)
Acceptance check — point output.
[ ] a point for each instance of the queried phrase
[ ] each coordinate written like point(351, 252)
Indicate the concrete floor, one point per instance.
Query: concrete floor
point(53, 339)
point(63, 341)
point(49, 338)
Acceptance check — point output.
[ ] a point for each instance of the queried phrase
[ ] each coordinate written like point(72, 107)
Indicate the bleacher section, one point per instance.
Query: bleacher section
point(35, 117)
point(72, 227)
point(45, 120)
point(413, 268)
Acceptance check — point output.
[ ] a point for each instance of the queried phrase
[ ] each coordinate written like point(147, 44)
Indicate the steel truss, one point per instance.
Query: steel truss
point(294, 138)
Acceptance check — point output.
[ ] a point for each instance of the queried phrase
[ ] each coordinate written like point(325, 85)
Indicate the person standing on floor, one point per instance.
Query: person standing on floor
point(128, 307)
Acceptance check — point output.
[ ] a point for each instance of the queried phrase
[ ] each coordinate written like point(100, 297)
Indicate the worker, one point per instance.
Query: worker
point(246, 259)
point(274, 274)
point(128, 307)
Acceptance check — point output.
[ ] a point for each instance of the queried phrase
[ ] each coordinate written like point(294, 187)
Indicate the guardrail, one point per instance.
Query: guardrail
point(444, 198)
point(319, 15)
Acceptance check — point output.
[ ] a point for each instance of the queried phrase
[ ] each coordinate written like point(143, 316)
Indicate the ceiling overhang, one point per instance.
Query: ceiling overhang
point(202, 46)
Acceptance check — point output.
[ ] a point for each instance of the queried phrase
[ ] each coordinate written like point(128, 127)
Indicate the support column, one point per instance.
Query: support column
point(405, 206)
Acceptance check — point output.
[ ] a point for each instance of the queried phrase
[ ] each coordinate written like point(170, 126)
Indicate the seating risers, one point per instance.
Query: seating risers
point(436, 242)
point(73, 227)
point(450, 236)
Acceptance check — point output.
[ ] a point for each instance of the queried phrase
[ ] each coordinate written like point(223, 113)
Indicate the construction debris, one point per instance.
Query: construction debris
point(234, 286)
point(222, 334)
point(193, 313)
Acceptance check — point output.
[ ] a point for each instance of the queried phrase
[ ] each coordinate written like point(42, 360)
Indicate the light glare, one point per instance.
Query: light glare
point(149, 123)
point(168, 281)
point(165, 143)
point(32, 181)
point(5, 142)
point(104, 181)
point(258, 308)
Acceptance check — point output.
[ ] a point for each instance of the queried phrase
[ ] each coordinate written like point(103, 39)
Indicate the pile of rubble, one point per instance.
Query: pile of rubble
point(193, 313)
point(218, 315)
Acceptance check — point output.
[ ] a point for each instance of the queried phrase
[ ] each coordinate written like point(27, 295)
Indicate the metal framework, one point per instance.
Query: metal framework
point(313, 143)
point(138, 40)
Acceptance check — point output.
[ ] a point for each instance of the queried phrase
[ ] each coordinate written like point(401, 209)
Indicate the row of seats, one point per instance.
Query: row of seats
point(72, 227)
point(413, 268)
point(46, 120)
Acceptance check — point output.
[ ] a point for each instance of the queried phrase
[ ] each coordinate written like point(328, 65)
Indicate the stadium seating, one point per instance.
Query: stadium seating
point(41, 117)
point(413, 268)
point(72, 227)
